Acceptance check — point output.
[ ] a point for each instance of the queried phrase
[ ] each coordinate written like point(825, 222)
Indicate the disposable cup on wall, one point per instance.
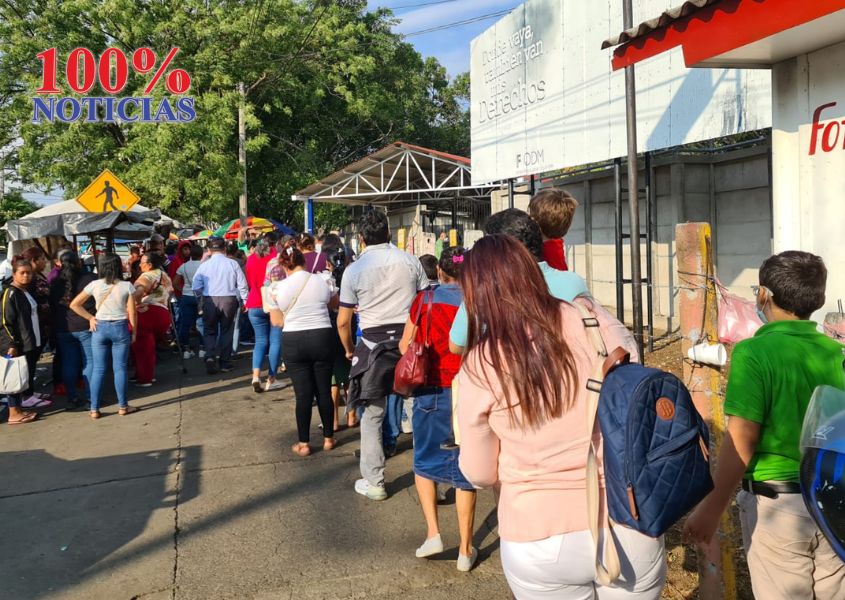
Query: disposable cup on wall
point(708, 354)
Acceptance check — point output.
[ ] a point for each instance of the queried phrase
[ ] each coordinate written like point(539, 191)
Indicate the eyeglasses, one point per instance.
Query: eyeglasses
point(756, 290)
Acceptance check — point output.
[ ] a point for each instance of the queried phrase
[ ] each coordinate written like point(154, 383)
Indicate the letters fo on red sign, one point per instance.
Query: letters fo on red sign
point(827, 136)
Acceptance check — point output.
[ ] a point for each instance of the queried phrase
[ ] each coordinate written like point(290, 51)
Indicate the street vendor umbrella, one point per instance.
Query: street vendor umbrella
point(202, 235)
point(229, 231)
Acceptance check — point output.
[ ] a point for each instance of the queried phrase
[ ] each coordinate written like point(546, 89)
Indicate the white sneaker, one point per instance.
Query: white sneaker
point(373, 492)
point(431, 546)
point(201, 354)
point(187, 354)
point(466, 563)
point(275, 384)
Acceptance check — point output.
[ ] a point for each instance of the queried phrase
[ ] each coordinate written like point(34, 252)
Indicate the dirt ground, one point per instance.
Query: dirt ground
point(682, 579)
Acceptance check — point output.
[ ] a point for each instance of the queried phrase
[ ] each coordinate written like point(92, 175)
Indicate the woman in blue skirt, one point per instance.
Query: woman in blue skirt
point(432, 416)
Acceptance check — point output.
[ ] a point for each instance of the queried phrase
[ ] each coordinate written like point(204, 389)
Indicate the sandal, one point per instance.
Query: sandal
point(27, 417)
point(301, 449)
point(128, 410)
point(95, 414)
point(36, 401)
point(329, 444)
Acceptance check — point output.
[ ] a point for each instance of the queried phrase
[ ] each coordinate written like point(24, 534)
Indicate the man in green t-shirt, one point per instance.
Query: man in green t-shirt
point(772, 378)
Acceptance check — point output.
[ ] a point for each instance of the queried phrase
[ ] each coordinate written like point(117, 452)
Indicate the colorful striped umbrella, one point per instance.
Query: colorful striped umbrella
point(202, 235)
point(229, 231)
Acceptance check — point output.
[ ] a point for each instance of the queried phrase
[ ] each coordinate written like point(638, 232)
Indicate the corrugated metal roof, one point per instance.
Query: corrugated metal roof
point(665, 19)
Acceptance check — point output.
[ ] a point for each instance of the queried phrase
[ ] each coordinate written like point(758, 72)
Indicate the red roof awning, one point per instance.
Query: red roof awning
point(734, 33)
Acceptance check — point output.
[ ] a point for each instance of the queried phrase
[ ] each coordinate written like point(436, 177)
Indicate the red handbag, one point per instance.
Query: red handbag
point(412, 369)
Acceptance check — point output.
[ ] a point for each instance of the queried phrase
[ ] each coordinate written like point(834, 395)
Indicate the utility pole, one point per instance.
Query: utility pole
point(699, 321)
point(2, 176)
point(633, 186)
point(242, 208)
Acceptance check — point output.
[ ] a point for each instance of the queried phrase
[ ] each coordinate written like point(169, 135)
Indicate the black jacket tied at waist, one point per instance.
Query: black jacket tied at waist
point(373, 363)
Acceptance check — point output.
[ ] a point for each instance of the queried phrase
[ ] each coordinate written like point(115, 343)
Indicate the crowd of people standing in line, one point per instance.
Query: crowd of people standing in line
point(500, 326)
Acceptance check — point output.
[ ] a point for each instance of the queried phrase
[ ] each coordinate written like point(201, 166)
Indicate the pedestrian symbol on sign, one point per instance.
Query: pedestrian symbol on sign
point(107, 193)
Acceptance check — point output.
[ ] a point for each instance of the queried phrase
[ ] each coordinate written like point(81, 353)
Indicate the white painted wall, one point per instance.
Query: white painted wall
point(545, 59)
point(808, 161)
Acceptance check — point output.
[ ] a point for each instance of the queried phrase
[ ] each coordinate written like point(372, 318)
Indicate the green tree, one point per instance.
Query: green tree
point(14, 206)
point(326, 83)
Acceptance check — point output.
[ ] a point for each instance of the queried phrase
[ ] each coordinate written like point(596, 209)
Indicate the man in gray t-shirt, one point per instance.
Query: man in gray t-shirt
point(382, 284)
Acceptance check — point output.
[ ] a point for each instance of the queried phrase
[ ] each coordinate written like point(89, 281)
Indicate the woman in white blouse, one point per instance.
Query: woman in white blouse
point(301, 303)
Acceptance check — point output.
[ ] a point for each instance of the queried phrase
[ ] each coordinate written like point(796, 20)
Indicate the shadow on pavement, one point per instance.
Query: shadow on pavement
point(54, 535)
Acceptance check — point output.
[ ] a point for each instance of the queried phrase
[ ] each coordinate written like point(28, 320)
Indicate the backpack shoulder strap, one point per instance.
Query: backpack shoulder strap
point(604, 574)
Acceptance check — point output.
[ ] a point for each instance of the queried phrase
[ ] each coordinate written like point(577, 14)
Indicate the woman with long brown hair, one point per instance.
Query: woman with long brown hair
point(523, 426)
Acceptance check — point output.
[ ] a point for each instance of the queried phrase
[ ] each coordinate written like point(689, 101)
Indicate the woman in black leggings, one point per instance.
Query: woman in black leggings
point(301, 303)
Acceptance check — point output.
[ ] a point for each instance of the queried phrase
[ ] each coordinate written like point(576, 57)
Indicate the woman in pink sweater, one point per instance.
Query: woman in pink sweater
point(523, 428)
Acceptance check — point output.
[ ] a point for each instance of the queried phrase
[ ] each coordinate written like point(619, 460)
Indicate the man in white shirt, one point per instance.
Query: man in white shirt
point(382, 284)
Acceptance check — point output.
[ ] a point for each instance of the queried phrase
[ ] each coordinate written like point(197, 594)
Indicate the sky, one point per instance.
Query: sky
point(450, 46)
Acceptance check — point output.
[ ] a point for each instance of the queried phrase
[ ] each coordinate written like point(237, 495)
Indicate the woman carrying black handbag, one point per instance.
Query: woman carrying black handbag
point(20, 334)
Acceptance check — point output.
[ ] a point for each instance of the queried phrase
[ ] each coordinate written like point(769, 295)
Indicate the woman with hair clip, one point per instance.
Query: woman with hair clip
point(152, 293)
point(20, 334)
point(114, 302)
point(523, 427)
point(71, 330)
point(300, 305)
point(430, 320)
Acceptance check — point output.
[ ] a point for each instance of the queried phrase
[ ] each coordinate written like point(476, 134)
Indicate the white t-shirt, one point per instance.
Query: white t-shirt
point(310, 311)
point(187, 271)
point(111, 303)
point(34, 316)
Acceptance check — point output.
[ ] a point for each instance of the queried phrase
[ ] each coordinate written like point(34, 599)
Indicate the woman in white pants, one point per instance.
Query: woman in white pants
point(522, 404)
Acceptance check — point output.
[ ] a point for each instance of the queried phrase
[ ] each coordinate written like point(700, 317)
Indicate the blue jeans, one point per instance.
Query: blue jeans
point(268, 340)
point(187, 316)
point(110, 336)
point(392, 425)
point(77, 357)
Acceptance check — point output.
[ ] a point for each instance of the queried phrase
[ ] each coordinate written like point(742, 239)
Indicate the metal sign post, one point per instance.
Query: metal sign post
point(633, 188)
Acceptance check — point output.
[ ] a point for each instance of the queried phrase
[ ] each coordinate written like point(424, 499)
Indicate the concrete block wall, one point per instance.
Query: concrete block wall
point(730, 190)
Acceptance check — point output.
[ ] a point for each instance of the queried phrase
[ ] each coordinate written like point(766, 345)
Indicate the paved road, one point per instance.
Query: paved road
point(199, 497)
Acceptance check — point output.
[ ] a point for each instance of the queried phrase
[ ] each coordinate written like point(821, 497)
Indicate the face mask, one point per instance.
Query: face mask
point(760, 314)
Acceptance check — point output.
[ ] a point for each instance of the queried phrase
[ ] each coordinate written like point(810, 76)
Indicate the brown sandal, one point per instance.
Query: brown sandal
point(26, 417)
point(95, 414)
point(128, 410)
point(301, 449)
point(329, 444)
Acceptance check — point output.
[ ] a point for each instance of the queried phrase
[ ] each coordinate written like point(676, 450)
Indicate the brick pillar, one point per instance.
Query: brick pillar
point(699, 322)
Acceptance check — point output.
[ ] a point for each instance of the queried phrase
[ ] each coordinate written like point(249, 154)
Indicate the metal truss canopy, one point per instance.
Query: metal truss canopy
point(399, 173)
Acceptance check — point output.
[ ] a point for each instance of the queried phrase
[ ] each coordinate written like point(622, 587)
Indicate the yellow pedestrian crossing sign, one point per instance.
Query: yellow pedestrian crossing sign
point(107, 193)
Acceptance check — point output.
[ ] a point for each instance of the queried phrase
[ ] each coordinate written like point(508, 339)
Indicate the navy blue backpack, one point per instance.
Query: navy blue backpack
point(656, 445)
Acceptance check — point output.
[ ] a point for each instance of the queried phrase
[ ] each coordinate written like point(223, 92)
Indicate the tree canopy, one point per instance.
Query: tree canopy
point(326, 83)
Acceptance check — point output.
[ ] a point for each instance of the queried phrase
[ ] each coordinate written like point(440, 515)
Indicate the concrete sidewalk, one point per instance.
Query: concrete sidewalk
point(198, 496)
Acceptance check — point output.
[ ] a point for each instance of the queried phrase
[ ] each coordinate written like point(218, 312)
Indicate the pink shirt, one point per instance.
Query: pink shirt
point(541, 472)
